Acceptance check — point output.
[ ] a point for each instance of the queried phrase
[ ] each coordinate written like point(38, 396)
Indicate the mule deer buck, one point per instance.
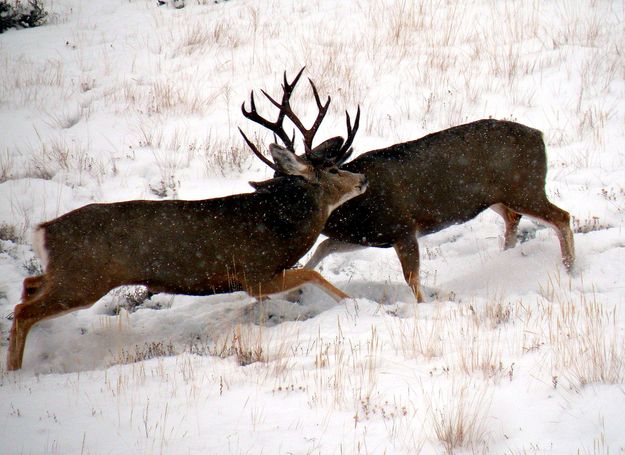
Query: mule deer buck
point(242, 242)
point(422, 186)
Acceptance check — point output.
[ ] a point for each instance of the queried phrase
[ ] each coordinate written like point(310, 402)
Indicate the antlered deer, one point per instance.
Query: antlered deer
point(242, 242)
point(422, 186)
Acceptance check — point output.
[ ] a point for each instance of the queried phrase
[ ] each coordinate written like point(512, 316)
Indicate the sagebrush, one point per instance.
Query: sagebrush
point(16, 14)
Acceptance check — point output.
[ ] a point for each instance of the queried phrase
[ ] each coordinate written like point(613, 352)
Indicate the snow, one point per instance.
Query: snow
point(124, 99)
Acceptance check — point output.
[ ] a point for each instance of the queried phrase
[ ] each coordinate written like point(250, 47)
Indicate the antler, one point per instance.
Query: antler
point(308, 134)
point(332, 152)
point(335, 151)
point(251, 145)
point(276, 127)
point(351, 134)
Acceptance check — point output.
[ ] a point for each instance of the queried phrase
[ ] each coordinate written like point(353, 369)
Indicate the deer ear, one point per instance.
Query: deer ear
point(288, 162)
point(327, 153)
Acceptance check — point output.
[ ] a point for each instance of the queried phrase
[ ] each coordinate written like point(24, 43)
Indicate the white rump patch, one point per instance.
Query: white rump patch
point(39, 245)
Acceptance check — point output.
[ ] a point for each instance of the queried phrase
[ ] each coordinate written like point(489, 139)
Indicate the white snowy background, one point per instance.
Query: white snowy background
point(117, 99)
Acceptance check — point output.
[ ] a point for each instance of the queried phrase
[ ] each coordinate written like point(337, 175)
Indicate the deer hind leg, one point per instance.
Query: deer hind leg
point(559, 220)
point(32, 285)
point(511, 220)
point(408, 253)
point(17, 341)
point(292, 279)
point(44, 303)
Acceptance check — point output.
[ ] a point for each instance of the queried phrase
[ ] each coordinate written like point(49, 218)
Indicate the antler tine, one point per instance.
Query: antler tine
point(323, 110)
point(351, 132)
point(276, 127)
point(288, 87)
point(287, 91)
point(253, 115)
point(343, 158)
point(317, 99)
point(285, 105)
point(285, 110)
point(257, 152)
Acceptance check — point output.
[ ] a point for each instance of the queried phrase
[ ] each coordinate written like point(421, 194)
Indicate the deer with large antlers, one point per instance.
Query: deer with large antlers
point(245, 242)
point(422, 186)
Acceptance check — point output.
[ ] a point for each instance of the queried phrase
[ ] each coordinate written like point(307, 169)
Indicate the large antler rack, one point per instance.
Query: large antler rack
point(277, 126)
point(332, 152)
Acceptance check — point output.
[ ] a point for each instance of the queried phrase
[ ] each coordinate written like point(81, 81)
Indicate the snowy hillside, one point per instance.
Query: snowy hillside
point(124, 99)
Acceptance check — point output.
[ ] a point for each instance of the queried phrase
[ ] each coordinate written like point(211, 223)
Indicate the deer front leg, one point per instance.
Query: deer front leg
point(407, 250)
point(294, 278)
point(328, 247)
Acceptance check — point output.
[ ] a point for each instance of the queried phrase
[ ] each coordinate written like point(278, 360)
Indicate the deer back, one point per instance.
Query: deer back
point(440, 179)
point(195, 247)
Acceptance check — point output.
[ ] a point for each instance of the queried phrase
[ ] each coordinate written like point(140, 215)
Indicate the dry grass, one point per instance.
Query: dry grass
point(269, 350)
point(10, 232)
point(589, 224)
point(414, 337)
point(481, 352)
point(32, 74)
point(6, 167)
point(458, 414)
point(224, 157)
point(588, 345)
point(345, 372)
point(71, 157)
point(583, 335)
point(68, 117)
point(246, 346)
point(178, 148)
point(146, 351)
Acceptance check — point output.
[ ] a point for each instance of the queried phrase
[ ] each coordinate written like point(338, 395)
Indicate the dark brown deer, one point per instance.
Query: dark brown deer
point(245, 242)
point(422, 186)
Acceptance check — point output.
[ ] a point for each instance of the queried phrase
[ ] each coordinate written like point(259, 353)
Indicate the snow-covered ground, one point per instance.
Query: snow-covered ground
point(123, 99)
